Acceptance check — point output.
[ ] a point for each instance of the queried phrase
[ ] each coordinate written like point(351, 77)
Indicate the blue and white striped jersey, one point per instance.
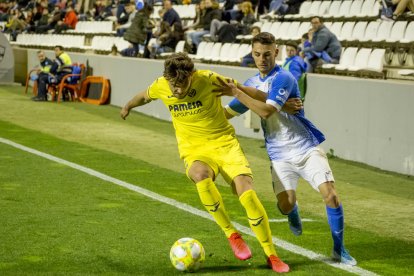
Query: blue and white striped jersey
point(287, 136)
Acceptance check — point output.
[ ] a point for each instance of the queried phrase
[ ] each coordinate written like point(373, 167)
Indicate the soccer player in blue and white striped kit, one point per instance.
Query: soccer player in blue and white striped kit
point(292, 141)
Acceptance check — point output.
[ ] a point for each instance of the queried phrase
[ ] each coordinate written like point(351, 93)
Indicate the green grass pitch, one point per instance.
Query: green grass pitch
point(56, 220)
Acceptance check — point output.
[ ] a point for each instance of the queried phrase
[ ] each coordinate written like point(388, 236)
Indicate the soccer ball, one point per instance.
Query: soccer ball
point(187, 254)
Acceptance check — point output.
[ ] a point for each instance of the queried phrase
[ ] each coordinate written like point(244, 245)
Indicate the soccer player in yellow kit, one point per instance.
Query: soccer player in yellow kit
point(208, 146)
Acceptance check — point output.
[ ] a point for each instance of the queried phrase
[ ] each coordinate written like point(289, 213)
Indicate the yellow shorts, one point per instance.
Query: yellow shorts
point(226, 158)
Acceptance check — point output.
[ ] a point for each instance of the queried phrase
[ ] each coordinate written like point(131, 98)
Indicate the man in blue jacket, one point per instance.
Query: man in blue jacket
point(325, 48)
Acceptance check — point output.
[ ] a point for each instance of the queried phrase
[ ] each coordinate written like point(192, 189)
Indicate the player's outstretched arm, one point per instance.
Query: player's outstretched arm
point(138, 100)
point(253, 92)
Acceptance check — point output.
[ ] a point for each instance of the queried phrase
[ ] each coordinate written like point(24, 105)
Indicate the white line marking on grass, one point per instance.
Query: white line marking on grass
point(285, 220)
point(246, 230)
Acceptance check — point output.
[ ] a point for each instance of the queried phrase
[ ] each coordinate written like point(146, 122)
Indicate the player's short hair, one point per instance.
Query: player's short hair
point(264, 38)
point(59, 47)
point(292, 44)
point(318, 17)
point(178, 67)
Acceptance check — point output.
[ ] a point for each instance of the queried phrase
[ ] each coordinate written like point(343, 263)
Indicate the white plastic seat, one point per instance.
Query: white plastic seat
point(292, 31)
point(361, 60)
point(383, 31)
point(346, 31)
point(336, 28)
point(214, 54)
point(234, 48)
point(324, 7)
point(283, 30)
point(409, 34)
point(179, 48)
point(370, 8)
point(406, 72)
point(313, 9)
point(333, 9)
point(359, 31)
point(202, 47)
point(303, 28)
point(266, 27)
point(224, 53)
point(376, 60)
point(274, 29)
point(344, 9)
point(347, 58)
point(397, 31)
point(355, 8)
point(244, 49)
point(281, 56)
point(371, 31)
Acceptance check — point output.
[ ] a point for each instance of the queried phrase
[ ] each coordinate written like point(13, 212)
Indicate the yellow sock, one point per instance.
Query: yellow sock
point(212, 201)
point(258, 220)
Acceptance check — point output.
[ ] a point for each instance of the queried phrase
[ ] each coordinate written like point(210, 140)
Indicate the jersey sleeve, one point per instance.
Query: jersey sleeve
point(235, 107)
point(279, 91)
point(152, 90)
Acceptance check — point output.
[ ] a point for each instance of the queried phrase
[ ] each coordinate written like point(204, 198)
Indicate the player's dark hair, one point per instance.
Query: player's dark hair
point(264, 38)
point(59, 47)
point(178, 67)
point(292, 44)
point(318, 17)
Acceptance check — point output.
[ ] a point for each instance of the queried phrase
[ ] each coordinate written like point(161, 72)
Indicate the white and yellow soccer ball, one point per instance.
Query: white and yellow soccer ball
point(187, 254)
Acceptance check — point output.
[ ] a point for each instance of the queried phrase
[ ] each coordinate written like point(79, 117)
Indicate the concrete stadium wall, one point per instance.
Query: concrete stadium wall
point(364, 120)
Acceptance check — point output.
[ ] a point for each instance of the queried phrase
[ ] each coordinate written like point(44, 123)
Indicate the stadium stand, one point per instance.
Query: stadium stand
point(357, 23)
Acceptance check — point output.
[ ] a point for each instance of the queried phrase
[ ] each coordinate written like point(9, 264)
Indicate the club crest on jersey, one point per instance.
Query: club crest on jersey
point(192, 93)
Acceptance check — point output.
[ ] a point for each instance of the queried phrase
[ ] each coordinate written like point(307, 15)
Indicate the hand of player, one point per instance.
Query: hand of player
point(124, 113)
point(225, 87)
point(293, 106)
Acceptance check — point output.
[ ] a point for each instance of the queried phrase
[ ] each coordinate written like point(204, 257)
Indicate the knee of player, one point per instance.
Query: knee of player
point(199, 176)
point(285, 206)
point(332, 199)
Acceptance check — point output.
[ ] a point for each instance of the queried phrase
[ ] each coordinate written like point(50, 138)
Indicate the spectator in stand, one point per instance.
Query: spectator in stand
point(171, 16)
point(200, 7)
point(325, 47)
point(400, 7)
point(141, 26)
point(130, 13)
point(296, 66)
point(61, 66)
point(212, 11)
point(16, 23)
point(168, 42)
point(69, 22)
point(102, 10)
point(42, 24)
point(247, 60)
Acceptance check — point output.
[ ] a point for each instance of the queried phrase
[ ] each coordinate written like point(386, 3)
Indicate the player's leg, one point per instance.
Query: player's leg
point(258, 220)
point(318, 173)
point(285, 180)
point(202, 174)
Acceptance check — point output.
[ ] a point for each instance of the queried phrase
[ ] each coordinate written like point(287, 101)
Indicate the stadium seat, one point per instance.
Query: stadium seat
point(303, 28)
point(347, 31)
point(292, 31)
point(343, 10)
point(347, 59)
point(406, 72)
point(232, 56)
point(275, 28)
point(409, 34)
point(355, 9)
point(361, 60)
point(376, 62)
point(224, 53)
point(283, 30)
point(324, 7)
point(371, 31)
point(333, 9)
point(266, 27)
point(214, 53)
point(243, 50)
point(336, 28)
point(397, 32)
point(367, 9)
point(358, 33)
point(383, 32)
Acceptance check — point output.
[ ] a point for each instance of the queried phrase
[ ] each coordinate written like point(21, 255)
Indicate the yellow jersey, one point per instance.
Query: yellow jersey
point(198, 118)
